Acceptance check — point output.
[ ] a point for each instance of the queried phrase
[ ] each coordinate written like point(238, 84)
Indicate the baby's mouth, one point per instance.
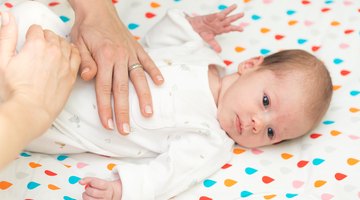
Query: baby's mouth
point(238, 124)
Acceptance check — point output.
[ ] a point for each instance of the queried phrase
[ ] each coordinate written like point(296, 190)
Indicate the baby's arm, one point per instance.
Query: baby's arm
point(209, 26)
point(96, 188)
point(188, 159)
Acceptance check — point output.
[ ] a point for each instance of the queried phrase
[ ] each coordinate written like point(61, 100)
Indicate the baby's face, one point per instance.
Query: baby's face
point(260, 109)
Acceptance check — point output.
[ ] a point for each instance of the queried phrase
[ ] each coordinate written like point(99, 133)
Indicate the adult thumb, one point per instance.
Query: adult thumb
point(8, 37)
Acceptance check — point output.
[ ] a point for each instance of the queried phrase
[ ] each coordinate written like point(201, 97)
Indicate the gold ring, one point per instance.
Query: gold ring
point(134, 66)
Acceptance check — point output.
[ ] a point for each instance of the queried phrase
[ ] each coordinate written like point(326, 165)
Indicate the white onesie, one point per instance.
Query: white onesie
point(183, 138)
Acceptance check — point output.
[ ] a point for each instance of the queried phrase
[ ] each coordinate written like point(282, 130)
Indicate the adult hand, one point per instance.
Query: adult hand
point(209, 26)
point(40, 76)
point(34, 84)
point(107, 49)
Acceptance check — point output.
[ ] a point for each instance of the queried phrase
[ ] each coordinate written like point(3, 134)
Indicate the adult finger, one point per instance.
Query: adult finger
point(121, 96)
point(150, 67)
point(8, 37)
point(74, 60)
point(88, 67)
point(105, 59)
point(51, 37)
point(65, 47)
point(142, 89)
point(34, 32)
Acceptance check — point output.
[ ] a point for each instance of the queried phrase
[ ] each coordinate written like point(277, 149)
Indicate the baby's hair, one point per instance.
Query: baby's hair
point(314, 77)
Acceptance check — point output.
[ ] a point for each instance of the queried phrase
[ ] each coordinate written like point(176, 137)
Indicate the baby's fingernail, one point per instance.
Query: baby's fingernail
point(148, 109)
point(126, 128)
point(159, 78)
point(84, 71)
point(86, 186)
point(111, 124)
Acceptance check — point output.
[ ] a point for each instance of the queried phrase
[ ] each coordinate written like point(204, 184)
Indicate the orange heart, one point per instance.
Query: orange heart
point(34, 165)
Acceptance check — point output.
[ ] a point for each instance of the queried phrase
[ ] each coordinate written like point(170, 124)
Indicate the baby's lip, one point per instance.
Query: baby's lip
point(238, 124)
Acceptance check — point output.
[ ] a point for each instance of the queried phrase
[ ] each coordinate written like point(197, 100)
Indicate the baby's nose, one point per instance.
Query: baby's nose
point(258, 124)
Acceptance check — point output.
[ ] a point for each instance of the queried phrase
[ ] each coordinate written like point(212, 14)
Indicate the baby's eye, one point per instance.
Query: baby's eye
point(270, 133)
point(266, 101)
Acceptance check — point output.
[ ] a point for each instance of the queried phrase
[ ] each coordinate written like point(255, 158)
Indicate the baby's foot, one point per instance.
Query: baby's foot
point(96, 188)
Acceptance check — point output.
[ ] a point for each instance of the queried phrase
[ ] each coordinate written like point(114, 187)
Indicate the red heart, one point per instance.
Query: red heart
point(267, 179)
point(344, 72)
point(340, 176)
point(315, 48)
point(325, 9)
point(9, 5)
point(227, 165)
point(205, 198)
point(150, 15)
point(54, 3)
point(315, 135)
point(279, 37)
point(228, 62)
point(302, 163)
point(50, 173)
point(348, 31)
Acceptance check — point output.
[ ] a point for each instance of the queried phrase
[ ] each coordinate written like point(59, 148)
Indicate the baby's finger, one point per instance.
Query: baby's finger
point(232, 18)
point(227, 11)
point(233, 28)
point(94, 192)
point(215, 45)
point(87, 197)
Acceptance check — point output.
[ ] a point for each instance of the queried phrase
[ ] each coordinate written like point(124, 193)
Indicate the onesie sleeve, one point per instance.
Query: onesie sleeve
point(172, 30)
point(191, 157)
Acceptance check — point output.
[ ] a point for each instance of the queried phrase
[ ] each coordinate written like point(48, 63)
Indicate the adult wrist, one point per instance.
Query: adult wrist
point(22, 110)
point(84, 9)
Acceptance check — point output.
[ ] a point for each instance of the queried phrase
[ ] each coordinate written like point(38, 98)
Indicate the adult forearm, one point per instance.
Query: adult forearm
point(19, 124)
point(87, 8)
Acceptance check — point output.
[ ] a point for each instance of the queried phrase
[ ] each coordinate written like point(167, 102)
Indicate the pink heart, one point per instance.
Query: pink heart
point(343, 46)
point(297, 184)
point(81, 165)
point(326, 196)
point(347, 3)
point(256, 151)
point(267, 1)
point(353, 137)
point(308, 23)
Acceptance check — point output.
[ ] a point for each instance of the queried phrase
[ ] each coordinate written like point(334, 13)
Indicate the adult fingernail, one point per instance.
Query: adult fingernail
point(5, 18)
point(84, 71)
point(148, 109)
point(111, 124)
point(126, 128)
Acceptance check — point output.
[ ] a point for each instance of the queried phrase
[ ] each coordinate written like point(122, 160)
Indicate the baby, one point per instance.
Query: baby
point(198, 113)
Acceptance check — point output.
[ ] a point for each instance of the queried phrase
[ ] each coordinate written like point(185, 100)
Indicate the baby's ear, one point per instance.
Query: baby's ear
point(250, 64)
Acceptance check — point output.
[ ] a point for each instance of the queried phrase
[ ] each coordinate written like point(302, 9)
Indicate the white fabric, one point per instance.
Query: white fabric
point(183, 137)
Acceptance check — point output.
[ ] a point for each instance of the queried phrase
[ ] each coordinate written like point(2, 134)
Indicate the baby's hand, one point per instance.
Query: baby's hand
point(208, 26)
point(96, 188)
